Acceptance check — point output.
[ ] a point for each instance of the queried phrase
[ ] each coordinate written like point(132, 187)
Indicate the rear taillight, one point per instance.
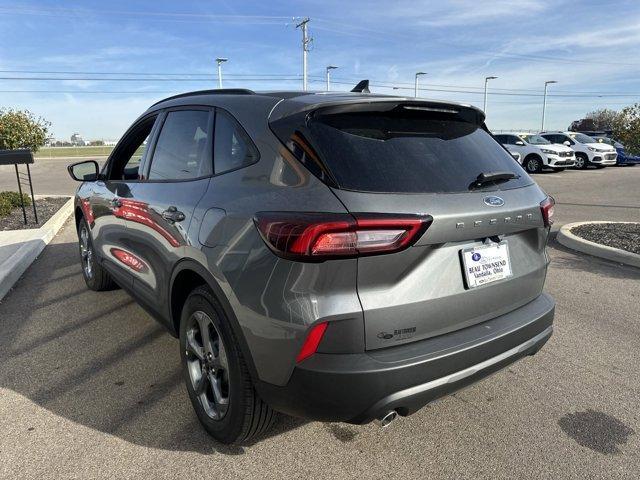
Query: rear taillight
point(546, 207)
point(320, 236)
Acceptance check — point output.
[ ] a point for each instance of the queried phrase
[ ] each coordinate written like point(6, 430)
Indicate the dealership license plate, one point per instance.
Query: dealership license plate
point(486, 264)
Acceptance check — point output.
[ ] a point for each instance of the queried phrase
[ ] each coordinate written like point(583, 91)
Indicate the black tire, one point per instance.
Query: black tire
point(533, 164)
point(582, 162)
point(96, 277)
point(244, 415)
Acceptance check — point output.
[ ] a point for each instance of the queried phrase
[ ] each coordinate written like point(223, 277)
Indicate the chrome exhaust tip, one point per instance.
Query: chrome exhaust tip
point(387, 418)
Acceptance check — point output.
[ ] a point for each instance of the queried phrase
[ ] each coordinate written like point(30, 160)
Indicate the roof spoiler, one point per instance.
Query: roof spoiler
point(362, 87)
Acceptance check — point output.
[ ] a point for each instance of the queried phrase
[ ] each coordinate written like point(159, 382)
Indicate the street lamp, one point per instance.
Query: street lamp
point(486, 80)
point(329, 68)
point(415, 91)
point(544, 101)
point(220, 61)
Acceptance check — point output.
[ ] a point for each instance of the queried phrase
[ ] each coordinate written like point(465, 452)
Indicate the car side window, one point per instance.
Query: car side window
point(182, 150)
point(126, 161)
point(232, 147)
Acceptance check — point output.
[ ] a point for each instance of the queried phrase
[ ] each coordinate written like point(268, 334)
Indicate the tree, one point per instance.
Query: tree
point(603, 119)
point(22, 129)
point(626, 128)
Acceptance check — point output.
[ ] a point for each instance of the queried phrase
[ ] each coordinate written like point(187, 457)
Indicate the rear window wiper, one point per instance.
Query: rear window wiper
point(492, 177)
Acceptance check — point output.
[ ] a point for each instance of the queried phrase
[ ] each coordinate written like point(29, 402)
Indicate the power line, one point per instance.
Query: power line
point(265, 78)
point(257, 76)
point(75, 72)
point(274, 19)
point(148, 80)
point(62, 11)
point(169, 92)
point(521, 56)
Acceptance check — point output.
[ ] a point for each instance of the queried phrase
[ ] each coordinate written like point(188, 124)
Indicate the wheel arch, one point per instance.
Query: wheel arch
point(189, 274)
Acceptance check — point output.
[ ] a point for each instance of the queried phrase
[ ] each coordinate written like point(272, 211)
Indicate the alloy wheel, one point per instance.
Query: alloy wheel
point(86, 252)
point(532, 165)
point(208, 365)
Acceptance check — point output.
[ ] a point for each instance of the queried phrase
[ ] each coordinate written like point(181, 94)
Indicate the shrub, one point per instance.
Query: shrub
point(13, 198)
point(22, 129)
point(5, 207)
point(626, 128)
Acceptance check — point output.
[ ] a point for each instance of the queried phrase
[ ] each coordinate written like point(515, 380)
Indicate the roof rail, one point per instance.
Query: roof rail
point(217, 91)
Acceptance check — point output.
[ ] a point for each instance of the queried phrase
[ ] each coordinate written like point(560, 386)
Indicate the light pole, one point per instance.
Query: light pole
point(415, 89)
point(486, 80)
point(220, 61)
point(305, 49)
point(329, 68)
point(544, 102)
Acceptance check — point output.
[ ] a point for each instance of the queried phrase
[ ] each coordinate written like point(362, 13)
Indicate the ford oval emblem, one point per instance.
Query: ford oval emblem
point(494, 201)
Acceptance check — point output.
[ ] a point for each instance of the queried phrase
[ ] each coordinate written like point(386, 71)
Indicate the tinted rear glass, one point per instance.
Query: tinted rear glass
point(401, 150)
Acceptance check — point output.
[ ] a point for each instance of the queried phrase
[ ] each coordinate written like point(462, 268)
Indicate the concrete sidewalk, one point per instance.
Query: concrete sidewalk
point(19, 248)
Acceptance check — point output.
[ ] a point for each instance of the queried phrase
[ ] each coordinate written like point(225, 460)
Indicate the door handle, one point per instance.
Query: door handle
point(172, 214)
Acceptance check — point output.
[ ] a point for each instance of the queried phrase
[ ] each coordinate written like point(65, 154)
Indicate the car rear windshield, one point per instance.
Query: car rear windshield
point(406, 149)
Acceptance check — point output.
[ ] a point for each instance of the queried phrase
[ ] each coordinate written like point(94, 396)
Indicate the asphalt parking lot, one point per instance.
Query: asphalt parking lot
point(90, 385)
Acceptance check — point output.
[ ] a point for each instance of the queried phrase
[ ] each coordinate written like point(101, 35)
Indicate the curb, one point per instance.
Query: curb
point(12, 269)
point(569, 240)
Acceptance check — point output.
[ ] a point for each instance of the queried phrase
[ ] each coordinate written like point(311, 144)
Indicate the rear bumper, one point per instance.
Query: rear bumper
point(358, 388)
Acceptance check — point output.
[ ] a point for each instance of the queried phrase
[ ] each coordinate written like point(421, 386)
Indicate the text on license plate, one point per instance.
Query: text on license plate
point(486, 263)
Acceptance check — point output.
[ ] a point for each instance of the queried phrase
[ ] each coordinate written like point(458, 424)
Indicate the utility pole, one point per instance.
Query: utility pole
point(415, 90)
point(305, 48)
point(544, 102)
point(329, 68)
point(486, 80)
point(220, 61)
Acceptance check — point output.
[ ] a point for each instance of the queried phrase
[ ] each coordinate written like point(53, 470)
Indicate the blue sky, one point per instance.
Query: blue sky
point(590, 47)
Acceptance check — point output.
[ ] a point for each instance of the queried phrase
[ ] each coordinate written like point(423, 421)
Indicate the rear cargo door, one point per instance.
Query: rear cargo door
point(420, 159)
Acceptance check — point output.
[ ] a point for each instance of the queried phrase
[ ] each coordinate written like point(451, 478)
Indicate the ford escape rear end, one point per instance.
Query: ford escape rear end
point(342, 257)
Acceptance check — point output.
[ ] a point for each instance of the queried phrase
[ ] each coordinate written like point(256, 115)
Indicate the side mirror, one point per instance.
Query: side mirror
point(520, 142)
point(87, 171)
point(567, 143)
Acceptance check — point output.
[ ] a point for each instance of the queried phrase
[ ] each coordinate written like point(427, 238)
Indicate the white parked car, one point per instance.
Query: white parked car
point(516, 155)
point(588, 150)
point(537, 153)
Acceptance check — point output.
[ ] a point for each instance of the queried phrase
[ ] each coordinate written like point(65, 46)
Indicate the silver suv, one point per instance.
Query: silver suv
point(338, 257)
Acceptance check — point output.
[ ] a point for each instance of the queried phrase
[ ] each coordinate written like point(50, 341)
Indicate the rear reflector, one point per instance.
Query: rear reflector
point(310, 345)
point(320, 236)
point(547, 209)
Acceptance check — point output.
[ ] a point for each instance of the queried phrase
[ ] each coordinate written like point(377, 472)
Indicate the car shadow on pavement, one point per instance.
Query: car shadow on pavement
point(98, 359)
